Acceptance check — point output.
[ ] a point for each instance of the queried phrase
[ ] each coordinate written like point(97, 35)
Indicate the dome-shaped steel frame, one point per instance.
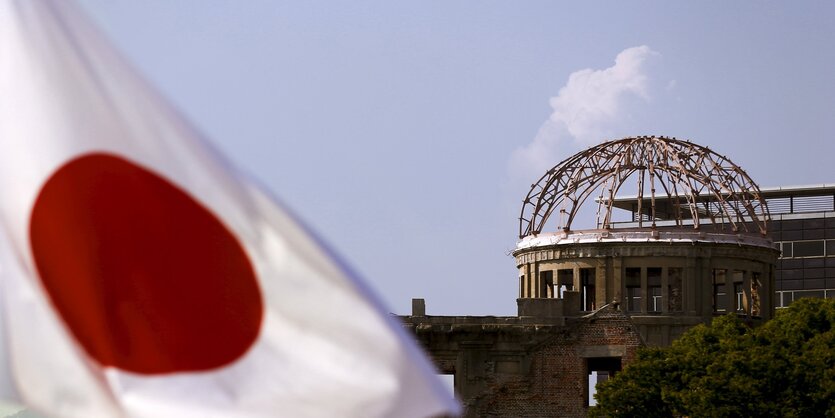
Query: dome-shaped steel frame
point(697, 183)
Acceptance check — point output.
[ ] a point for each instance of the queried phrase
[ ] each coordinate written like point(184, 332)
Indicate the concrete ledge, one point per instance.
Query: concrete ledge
point(641, 235)
point(602, 351)
point(550, 307)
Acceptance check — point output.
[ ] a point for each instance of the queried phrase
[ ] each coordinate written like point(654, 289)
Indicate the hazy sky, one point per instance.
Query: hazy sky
point(407, 133)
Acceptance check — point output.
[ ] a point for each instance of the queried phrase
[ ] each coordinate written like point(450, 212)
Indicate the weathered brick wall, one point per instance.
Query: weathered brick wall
point(556, 381)
point(524, 367)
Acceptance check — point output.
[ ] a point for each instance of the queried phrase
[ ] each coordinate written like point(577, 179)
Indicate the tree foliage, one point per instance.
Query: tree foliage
point(784, 368)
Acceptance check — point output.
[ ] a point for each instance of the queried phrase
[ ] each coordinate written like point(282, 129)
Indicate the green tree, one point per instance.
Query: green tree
point(784, 368)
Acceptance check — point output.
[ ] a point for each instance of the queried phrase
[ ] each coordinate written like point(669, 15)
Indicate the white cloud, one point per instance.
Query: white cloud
point(586, 111)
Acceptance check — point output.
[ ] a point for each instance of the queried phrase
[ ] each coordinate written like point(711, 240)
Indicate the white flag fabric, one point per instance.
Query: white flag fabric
point(144, 277)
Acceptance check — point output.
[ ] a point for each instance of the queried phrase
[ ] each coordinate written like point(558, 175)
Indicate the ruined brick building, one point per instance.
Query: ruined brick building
point(696, 245)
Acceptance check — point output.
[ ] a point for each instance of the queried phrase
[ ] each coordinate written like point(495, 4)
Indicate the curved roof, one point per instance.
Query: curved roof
point(696, 183)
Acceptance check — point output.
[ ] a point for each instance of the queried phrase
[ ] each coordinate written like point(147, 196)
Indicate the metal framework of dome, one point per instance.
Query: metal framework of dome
point(675, 181)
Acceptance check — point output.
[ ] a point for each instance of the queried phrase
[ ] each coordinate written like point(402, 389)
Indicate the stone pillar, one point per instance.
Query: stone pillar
point(644, 290)
point(539, 283)
point(767, 295)
point(665, 292)
point(600, 295)
point(690, 296)
point(704, 281)
point(527, 281)
point(746, 292)
point(616, 273)
point(418, 307)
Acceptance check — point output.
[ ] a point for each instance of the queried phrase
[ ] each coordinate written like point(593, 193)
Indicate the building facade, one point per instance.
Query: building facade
point(695, 245)
point(802, 227)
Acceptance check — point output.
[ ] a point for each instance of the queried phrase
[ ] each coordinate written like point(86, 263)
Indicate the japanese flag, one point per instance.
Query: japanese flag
point(143, 277)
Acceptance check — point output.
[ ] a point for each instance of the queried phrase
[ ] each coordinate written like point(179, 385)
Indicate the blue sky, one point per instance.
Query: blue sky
point(407, 133)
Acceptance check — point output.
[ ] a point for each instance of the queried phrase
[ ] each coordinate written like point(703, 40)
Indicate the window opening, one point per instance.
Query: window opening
point(809, 294)
point(546, 284)
point(808, 248)
point(565, 282)
point(654, 289)
point(788, 298)
point(740, 299)
point(633, 289)
point(598, 370)
point(448, 382)
point(787, 250)
point(587, 288)
point(830, 247)
point(720, 300)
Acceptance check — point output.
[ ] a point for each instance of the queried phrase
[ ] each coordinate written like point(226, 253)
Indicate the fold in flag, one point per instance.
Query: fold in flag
point(144, 277)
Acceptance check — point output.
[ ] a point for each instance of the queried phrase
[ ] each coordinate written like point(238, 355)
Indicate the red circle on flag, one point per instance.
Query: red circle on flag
point(147, 279)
